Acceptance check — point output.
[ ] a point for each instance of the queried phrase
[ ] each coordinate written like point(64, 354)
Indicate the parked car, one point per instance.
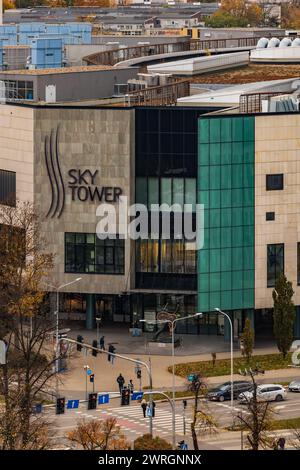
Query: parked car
point(265, 392)
point(223, 392)
point(294, 386)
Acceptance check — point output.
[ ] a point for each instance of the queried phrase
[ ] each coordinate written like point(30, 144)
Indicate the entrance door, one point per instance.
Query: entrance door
point(104, 308)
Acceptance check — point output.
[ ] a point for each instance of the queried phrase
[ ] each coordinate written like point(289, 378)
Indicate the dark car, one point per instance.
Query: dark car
point(223, 392)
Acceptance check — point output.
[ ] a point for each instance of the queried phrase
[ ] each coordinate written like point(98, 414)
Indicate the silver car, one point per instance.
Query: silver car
point(294, 386)
point(265, 392)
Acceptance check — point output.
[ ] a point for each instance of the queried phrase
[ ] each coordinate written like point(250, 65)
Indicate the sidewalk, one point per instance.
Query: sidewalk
point(74, 381)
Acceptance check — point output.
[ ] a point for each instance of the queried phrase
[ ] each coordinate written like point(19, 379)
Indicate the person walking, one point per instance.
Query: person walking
point(111, 349)
point(121, 381)
point(131, 386)
point(153, 408)
point(281, 443)
point(102, 343)
point(144, 406)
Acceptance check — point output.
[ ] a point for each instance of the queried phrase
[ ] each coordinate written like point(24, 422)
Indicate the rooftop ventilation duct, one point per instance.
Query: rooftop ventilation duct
point(285, 42)
point(262, 43)
point(296, 42)
point(274, 42)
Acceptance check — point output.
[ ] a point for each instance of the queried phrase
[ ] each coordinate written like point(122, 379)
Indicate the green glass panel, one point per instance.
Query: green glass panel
point(204, 154)
point(237, 197)
point(204, 283)
point(237, 258)
point(226, 259)
point(226, 198)
point(215, 199)
point(248, 257)
point(226, 130)
point(215, 154)
point(248, 175)
point(248, 298)
point(236, 299)
point(203, 197)
point(215, 218)
point(204, 130)
point(215, 260)
point(248, 279)
point(237, 279)
point(215, 237)
point(248, 216)
point(237, 216)
point(238, 236)
point(226, 237)
point(214, 300)
point(215, 177)
point(226, 283)
point(226, 149)
point(237, 129)
point(141, 195)
point(249, 197)
point(153, 191)
point(178, 191)
point(203, 300)
point(204, 177)
point(226, 300)
point(203, 260)
point(206, 242)
point(166, 191)
point(237, 152)
point(249, 129)
point(226, 218)
point(215, 130)
point(225, 177)
point(248, 235)
point(215, 282)
point(249, 152)
point(237, 176)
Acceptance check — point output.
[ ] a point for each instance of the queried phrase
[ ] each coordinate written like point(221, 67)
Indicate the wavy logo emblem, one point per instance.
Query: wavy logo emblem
point(58, 193)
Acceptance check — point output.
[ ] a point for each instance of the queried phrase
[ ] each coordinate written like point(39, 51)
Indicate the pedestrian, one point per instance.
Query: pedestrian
point(281, 443)
point(102, 344)
point(121, 381)
point(144, 406)
point(153, 408)
point(111, 349)
point(131, 386)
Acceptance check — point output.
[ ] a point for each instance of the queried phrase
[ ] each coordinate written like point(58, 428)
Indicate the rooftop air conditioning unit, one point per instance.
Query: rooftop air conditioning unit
point(120, 89)
point(151, 80)
point(136, 85)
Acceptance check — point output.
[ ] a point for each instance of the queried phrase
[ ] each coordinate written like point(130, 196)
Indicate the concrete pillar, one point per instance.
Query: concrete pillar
point(90, 312)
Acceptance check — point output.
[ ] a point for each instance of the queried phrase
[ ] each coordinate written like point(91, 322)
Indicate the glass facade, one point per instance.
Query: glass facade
point(7, 188)
point(226, 188)
point(86, 253)
point(275, 263)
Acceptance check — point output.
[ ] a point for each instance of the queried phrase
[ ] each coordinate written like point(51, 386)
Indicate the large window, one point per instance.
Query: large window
point(7, 188)
point(165, 256)
point(18, 90)
point(275, 263)
point(86, 253)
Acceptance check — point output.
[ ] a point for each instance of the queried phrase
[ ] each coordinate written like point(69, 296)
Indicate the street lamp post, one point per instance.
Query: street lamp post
point(173, 326)
point(57, 289)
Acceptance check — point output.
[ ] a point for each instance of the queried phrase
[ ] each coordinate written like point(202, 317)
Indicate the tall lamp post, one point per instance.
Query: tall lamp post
point(173, 324)
point(57, 289)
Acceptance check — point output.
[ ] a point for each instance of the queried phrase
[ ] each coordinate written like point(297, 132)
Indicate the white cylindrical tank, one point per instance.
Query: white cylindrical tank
point(274, 42)
point(262, 43)
point(296, 42)
point(285, 42)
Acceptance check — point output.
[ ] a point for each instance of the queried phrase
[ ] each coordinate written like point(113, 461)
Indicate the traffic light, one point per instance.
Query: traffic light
point(92, 402)
point(79, 340)
point(92, 378)
point(125, 397)
point(60, 406)
point(139, 374)
point(95, 345)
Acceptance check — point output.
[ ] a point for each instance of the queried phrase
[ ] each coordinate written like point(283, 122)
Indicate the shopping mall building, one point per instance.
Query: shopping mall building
point(244, 169)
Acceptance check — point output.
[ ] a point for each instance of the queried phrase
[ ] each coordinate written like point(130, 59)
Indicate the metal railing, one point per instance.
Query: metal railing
point(112, 57)
point(252, 102)
point(164, 95)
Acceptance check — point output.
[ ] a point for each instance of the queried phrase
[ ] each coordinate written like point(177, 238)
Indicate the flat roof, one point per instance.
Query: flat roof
point(62, 70)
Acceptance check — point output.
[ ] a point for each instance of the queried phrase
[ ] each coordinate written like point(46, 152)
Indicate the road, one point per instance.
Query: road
point(133, 424)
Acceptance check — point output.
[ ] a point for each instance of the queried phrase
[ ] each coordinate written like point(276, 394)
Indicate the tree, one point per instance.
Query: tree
point(147, 442)
point(236, 13)
point(25, 326)
point(8, 5)
point(202, 421)
point(257, 421)
point(283, 314)
point(247, 339)
point(98, 435)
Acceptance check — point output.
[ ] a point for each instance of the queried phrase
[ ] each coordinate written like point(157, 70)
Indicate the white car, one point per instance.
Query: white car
point(265, 392)
point(294, 386)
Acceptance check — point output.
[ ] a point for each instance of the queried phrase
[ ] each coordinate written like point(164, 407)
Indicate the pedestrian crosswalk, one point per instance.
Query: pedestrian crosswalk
point(162, 421)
